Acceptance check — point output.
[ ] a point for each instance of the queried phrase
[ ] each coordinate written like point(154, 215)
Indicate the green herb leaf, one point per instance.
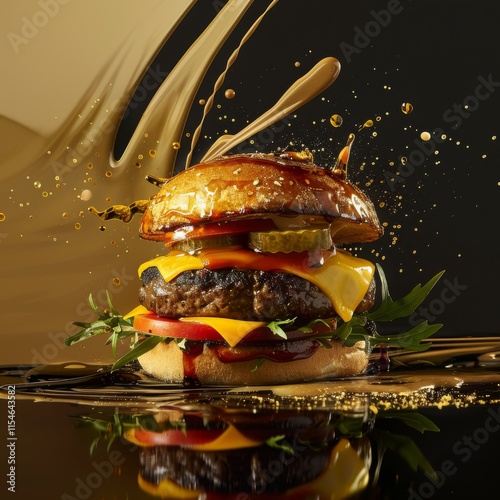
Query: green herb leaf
point(405, 448)
point(139, 349)
point(410, 340)
point(278, 443)
point(259, 363)
point(275, 327)
point(390, 310)
point(412, 419)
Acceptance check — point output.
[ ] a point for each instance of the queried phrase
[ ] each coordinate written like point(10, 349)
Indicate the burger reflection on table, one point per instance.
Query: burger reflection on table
point(198, 452)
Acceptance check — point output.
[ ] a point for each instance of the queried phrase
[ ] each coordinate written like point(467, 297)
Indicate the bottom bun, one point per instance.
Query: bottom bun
point(167, 361)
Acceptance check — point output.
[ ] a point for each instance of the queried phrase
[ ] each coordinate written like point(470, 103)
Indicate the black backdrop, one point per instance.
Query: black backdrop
point(442, 57)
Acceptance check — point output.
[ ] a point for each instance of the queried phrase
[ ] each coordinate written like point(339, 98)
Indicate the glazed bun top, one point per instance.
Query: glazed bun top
point(260, 185)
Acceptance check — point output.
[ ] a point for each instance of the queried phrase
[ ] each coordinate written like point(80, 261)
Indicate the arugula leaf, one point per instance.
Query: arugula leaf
point(390, 310)
point(412, 419)
point(405, 448)
point(138, 349)
point(275, 327)
point(118, 328)
point(410, 340)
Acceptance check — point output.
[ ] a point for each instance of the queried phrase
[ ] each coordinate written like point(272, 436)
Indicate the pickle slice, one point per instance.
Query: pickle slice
point(294, 240)
point(193, 246)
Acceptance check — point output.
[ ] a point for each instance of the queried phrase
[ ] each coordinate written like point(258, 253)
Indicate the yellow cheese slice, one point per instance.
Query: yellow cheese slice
point(230, 439)
point(232, 330)
point(345, 476)
point(166, 488)
point(173, 264)
point(136, 311)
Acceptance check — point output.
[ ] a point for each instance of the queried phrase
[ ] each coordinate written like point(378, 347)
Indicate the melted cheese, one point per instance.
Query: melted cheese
point(172, 264)
point(230, 439)
point(232, 330)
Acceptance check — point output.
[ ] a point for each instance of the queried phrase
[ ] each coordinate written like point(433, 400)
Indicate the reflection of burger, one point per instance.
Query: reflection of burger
point(302, 455)
point(253, 285)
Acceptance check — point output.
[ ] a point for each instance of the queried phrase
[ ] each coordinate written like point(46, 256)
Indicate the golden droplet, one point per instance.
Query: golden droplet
point(45, 194)
point(90, 165)
point(229, 94)
point(86, 194)
point(65, 215)
point(102, 228)
point(336, 121)
point(202, 102)
point(152, 153)
point(404, 160)
point(108, 173)
point(78, 226)
point(367, 124)
point(137, 164)
point(37, 184)
point(297, 64)
point(2, 216)
point(117, 281)
point(176, 145)
point(425, 136)
point(406, 108)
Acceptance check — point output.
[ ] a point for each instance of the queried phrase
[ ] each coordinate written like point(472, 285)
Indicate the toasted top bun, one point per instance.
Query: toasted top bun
point(260, 185)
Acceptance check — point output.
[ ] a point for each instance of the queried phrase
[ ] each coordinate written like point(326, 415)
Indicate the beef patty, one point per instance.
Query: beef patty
point(238, 294)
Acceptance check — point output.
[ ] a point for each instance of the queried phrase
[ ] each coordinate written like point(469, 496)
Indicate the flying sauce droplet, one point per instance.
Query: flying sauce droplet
point(176, 145)
point(406, 108)
point(340, 167)
point(425, 136)
point(229, 94)
point(86, 195)
point(367, 124)
point(2, 217)
point(336, 121)
point(37, 184)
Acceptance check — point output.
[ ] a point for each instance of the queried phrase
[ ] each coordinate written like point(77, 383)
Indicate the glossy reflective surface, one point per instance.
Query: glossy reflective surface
point(426, 431)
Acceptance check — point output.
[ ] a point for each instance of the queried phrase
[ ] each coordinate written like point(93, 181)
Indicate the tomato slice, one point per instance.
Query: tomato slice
point(221, 228)
point(174, 437)
point(168, 327)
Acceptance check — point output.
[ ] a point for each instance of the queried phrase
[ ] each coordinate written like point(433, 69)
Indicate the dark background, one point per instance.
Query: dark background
point(440, 213)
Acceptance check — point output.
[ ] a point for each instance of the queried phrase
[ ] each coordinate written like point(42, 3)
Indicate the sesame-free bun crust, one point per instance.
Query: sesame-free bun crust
point(259, 185)
point(166, 362)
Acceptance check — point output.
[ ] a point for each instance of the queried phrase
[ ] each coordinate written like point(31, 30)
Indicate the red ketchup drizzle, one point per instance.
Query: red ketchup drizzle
point(279, 352)
point(189, 355)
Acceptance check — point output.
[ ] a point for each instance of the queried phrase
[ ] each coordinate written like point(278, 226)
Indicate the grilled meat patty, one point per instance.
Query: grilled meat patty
point(238, 294)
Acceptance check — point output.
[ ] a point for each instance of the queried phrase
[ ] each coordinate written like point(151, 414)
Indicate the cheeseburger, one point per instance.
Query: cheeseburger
point(253, 281)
